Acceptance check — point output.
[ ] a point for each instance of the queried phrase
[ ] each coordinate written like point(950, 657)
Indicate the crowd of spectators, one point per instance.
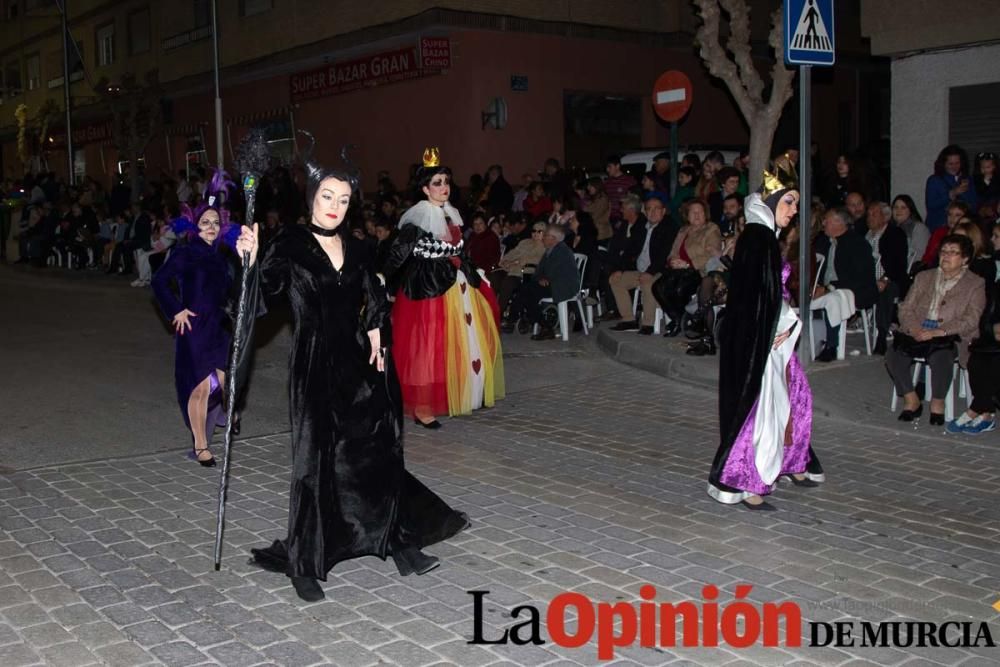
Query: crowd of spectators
point(673, 250)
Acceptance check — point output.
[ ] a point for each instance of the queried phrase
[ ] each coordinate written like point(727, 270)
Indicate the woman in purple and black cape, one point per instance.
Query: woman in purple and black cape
point(765, 404)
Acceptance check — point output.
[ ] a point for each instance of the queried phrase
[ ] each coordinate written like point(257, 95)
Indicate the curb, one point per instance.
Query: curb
point(680, 368)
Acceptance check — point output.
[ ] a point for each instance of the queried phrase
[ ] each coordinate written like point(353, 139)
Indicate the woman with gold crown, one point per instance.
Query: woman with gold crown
point(445, 319)
point(351, 494)
point(765, 404)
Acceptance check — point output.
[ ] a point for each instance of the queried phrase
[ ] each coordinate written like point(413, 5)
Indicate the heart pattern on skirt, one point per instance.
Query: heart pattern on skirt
point(476, 365)
point(468, 319)
point(463, 286)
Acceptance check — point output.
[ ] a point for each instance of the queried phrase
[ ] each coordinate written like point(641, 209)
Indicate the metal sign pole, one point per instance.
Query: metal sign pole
point(674, 164)
point(805, 211)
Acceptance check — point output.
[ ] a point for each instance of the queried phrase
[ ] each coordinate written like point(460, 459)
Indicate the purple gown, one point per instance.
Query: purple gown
point(201, 272)
point(738, 471)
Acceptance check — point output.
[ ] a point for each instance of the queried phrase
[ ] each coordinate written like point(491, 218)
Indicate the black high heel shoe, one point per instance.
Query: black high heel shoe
point(433, 424)
point(804, 482)
point(412, 560)
point(910, 415)
point(206, 463)
point(936, 419)
point(308, 589)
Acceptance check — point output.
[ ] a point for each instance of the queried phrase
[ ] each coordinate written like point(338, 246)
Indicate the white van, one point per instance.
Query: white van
point(639, 162)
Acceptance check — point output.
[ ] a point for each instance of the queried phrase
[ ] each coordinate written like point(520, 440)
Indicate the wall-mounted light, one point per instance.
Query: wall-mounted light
point(495, 115)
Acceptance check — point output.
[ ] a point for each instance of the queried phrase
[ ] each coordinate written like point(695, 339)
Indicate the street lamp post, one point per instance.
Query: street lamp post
point(69, 115)
point(218, 93)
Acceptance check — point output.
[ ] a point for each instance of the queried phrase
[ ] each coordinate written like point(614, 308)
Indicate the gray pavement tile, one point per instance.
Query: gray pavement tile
point(16, 655)
point(123, 655)
point(149, 633)
point(45, 635)
point(179, 654)
point(348, 654)
point(71, 654)
point(235, 653)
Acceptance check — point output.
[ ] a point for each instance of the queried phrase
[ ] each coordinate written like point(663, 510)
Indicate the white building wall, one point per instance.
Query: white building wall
point(920, 86)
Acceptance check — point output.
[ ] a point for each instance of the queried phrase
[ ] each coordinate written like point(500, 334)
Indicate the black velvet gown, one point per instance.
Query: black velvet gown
point(350, 493)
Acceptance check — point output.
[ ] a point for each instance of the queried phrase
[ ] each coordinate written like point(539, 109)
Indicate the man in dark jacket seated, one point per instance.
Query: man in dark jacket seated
point(889, 250)
point(556, 277)
point(847, 265)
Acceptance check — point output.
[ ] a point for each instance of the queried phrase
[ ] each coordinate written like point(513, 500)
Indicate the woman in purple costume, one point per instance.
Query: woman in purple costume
point(201, 270)
point(765, 404)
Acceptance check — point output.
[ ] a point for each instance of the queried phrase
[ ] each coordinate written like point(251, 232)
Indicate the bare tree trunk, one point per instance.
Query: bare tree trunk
point(761, 138)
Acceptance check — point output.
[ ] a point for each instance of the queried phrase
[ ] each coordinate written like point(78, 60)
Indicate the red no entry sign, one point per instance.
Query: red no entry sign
point(672, 95)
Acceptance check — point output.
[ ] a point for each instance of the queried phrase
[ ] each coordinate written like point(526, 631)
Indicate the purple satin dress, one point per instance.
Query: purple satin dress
point(740, 471)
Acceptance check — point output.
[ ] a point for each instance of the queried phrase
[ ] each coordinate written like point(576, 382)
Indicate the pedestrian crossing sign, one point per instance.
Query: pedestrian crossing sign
point(809, 32)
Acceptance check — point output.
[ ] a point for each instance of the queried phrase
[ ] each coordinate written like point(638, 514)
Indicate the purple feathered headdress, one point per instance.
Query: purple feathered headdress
point(217, 193)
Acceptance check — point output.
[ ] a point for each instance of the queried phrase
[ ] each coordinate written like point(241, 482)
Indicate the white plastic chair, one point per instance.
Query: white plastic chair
point(964, 389)
point(563, 306)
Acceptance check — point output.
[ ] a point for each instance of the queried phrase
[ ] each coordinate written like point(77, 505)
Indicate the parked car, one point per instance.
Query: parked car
point(639, 162)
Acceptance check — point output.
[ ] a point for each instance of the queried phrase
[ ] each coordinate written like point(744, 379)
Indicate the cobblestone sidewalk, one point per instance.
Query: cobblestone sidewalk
point(595, 486)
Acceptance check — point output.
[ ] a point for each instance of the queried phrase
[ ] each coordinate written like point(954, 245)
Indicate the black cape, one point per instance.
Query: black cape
point(350, 493)
point(746, 334)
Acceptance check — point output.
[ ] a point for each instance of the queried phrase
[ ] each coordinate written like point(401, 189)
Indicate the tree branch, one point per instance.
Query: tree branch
point(718, 62)
point(739, 45)
point(781, 76)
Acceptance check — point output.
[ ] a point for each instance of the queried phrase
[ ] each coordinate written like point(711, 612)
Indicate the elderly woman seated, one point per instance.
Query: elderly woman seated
point(984, 372)
point(937, 322)
point(510, 270)
point(698, 241)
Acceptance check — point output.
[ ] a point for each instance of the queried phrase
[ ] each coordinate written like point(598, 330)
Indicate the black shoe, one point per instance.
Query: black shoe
point(936, 419)
point(762, 506)
point(432, 424)
point(645, 331)
point(627, 325)
point(544, 333)
point(827, 354)
point(412, 560)
point(523, 326)
point(804, 482)
point(705, 346)
point(910, 415)
point(672, 329)
point(236, 423)
point(308, 589)
point(205, 463)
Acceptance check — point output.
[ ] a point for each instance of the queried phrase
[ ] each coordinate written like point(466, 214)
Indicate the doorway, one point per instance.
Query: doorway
point(598, 125)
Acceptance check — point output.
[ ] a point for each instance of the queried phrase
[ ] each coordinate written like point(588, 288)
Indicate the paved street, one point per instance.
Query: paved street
point(589, 477)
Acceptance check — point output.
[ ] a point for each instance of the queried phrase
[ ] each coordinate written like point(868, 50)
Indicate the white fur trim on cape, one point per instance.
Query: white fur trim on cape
point(430, 218)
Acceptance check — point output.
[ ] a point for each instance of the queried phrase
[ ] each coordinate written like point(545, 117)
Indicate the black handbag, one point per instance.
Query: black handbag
point(914, 348)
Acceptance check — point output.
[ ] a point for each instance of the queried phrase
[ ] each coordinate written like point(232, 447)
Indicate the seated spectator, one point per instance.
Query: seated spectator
point(982, 263)
point(907, 217)
point(858, 208)
point(555, 277)
point(937, 322)
point(597, 205)
point(848, 280)
point(584, 242)
point(561, 212)
point(955, 212)
point(527, 179)
point(984, 371)
point(483, 245)
point(706, 184)
point(498, 196)
point(537, 205)
point(512, 267)
point(950, 183)
point(712, 292)
point(732, 210)
point(517, 232)
point(650, 264)
point(388, 209)
point(697, 242)
point(162, 239)
point(558, 183)
point(622, 251)
point(889, 249)
point(729, 183)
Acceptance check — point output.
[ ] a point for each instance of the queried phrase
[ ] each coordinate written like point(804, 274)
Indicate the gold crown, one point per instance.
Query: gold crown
point(432, 157)
point(783, 178)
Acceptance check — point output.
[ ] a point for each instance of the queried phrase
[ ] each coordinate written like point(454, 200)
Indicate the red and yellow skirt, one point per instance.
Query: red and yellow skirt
point(447, 350)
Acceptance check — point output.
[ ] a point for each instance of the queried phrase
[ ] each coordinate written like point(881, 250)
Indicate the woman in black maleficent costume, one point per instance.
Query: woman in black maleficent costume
point(765, 404)
point(350, 493)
